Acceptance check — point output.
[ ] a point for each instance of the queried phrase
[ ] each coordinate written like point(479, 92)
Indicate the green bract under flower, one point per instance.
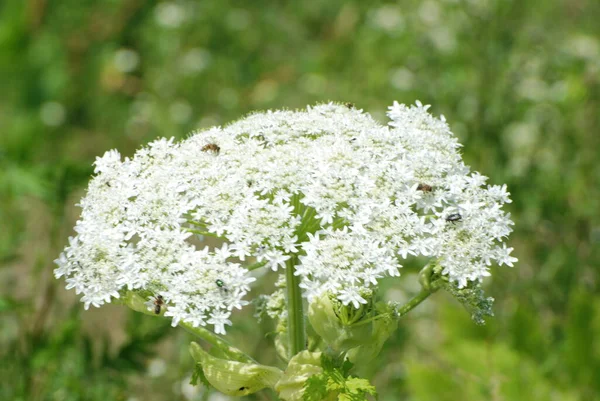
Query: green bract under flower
point(351, 197)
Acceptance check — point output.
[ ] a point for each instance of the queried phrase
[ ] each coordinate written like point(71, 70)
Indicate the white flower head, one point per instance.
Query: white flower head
point(329, 187)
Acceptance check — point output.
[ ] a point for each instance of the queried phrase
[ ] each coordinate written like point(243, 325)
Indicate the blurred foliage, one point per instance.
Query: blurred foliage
point(518, 79)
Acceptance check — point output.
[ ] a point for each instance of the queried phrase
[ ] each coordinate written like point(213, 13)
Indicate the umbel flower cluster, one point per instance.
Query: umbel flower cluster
point(328, 190)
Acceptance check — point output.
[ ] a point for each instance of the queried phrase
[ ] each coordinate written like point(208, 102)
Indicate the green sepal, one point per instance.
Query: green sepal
point(301, 367)
point(382, 328)
point(328, 318)
point(234, 377)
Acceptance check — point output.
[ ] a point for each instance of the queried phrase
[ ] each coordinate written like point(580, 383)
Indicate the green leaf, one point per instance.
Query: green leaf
point(327, 362)
point(334, 383)
point(359, 386)
point(315, 388)
point(346, 366)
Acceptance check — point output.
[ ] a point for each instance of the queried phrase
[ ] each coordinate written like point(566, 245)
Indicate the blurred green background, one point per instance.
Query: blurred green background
point(518, 80)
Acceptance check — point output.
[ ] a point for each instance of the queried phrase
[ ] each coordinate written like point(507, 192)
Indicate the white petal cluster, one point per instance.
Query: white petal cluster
point(351, 197)
point(343, 262)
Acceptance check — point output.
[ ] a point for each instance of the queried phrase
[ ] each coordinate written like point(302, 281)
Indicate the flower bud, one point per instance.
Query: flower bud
point(337, 323)
point(381, 328)
point(282, 339)
point(233, 377)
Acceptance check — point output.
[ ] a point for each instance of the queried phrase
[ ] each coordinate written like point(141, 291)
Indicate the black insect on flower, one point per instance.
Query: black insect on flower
point(158, 303)
point(454, 217)
point(424, 188)
point(211, 147)
point(349, 105)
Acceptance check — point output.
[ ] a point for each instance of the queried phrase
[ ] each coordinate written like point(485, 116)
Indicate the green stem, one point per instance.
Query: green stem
point(230, 351)
point(307, 215)
point(296, 332)
point(403, 310)
point(197, 223)
point(416, 300)
point(205, 233)
point(256, 265)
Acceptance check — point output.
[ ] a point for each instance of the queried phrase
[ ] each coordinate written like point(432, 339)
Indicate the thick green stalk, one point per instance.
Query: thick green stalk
point(296, 329)
point(416, 300)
